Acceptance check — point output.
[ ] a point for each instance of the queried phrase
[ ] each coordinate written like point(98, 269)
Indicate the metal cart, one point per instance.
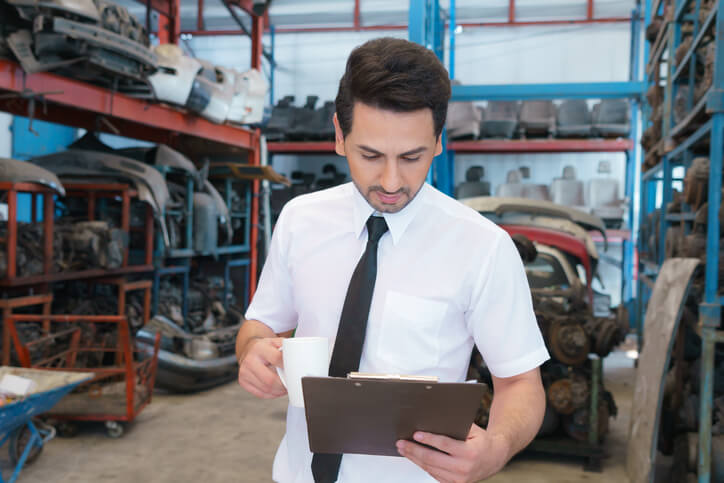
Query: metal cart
point(25, 439)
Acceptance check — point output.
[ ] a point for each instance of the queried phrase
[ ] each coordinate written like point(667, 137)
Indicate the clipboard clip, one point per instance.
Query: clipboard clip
point(390, 377)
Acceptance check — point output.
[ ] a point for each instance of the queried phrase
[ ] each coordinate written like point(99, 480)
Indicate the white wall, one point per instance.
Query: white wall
point(6, 137)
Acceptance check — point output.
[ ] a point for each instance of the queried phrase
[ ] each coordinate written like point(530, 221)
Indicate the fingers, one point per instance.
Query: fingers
point(426, 458)
point(443, 443)
point(256, 370)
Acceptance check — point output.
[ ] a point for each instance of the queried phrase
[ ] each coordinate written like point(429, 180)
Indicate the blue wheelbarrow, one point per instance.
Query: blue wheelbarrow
point(26, 437)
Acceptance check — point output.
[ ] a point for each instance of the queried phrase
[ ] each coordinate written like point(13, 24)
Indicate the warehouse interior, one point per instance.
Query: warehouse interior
point(150, 150)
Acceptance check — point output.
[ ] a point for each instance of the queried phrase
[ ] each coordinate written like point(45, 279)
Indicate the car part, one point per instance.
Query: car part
point(603, 197)
point(501, 119)
point(501, 206)
point(463, 120)
point(205, 223)
point(537, 118)
point(174, 79)
point(661, 321)
point(96, 41)
point(79, 164)
point(473, 184)
point(573, 119)
point(250, 90)
point(16, 171)
point(567, 190)
point(512, 186)
point(212, 92)
point(611, 118)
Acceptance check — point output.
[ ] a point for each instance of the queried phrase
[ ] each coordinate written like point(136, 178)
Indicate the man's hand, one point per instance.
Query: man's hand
point(481, 455)
point(257, 367)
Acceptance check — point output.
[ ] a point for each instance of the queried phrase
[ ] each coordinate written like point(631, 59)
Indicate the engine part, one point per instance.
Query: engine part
point(568, 342)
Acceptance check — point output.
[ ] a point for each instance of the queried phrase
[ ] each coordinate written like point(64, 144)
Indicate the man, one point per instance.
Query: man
point(446, 278)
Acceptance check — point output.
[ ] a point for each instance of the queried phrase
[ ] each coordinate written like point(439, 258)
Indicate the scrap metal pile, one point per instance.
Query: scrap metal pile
point(570, 332)
point(679, 426)
point(197, 351)
point(77, 246)
point(555, 246)
point(701, 60)
point(98, 41)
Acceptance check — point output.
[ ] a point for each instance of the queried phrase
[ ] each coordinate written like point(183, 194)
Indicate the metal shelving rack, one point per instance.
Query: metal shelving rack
point(75, 103)
point(677, 148)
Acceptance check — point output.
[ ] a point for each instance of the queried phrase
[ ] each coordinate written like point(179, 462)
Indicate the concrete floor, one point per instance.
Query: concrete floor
point(226, 435)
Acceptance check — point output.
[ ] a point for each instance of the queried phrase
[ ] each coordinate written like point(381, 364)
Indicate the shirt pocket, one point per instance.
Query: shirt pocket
point(409, 340)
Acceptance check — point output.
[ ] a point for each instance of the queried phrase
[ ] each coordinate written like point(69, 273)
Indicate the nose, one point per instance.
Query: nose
point(391, 181)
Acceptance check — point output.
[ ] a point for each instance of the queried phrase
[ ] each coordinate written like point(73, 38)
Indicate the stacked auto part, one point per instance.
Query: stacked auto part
point(572, 378)
point(217, 93)
point(306, 123)
point(98, 42)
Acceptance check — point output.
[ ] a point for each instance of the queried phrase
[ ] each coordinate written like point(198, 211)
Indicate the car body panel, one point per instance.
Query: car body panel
point(500, 206)
point(16, 171)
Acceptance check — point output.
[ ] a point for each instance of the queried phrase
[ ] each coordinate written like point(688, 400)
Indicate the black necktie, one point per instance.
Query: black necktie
point(351, 333)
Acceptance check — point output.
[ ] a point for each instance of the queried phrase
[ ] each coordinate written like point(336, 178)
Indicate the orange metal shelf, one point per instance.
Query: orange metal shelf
point(76, 103)
point(484, 146)
point(541, 146)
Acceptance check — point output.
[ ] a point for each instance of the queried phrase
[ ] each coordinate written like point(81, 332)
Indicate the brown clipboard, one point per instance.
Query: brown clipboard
point(369, 416)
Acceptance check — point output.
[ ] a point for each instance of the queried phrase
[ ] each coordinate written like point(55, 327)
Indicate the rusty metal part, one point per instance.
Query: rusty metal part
point(696, 182)
point(559, 396)
point(568, 342)
point(576, 425)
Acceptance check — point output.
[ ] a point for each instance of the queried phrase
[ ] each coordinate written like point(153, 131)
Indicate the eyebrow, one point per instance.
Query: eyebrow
point(406, 153)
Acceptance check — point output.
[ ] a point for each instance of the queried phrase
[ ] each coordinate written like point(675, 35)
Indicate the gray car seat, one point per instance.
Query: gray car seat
point(603, 197)
point(473, 186)
point(463, 120)
point(537, 118)
point(512, 187)
point(611, 118)
point(567, 190)
point(501, 119)
point(573, 119)
point(536, 192)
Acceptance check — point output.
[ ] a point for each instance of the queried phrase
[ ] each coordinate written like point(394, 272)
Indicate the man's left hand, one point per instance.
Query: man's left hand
point(481, 455)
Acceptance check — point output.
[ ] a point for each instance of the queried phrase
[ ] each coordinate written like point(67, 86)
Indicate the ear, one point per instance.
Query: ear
point(438, 145)
point(338, 136)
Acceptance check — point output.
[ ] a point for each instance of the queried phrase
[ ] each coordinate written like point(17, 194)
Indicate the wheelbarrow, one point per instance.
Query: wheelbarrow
point(26, 437)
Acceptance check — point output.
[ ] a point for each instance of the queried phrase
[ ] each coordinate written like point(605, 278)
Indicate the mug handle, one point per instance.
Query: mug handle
point(280, 373)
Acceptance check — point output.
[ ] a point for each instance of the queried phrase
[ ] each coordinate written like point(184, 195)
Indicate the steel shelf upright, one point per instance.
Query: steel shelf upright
point(680, 142)
point(426, 26)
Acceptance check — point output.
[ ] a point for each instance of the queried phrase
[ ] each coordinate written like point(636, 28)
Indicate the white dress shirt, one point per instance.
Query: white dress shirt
point(447, 278)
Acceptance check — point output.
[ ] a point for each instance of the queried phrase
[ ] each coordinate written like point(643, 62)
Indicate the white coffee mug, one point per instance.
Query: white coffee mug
point(303, 356)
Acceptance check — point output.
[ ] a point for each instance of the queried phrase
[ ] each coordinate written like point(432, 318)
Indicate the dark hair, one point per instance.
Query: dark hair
point(393, 74)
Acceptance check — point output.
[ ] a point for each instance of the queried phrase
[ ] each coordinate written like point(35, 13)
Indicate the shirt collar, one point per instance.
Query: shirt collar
point(397, 222)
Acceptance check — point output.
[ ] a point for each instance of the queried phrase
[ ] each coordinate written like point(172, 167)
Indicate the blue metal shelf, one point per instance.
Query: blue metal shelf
point(712, 131)
point(586, 90)
point(695, 44)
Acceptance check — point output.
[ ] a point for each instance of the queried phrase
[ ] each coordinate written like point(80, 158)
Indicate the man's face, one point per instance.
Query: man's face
point(389, 154)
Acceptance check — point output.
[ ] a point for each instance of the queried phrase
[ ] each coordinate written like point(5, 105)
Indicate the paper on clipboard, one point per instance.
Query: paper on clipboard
point(369, 415)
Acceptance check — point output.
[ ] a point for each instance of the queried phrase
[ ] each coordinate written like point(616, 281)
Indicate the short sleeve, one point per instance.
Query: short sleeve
point(501, 316)
point(273, 301)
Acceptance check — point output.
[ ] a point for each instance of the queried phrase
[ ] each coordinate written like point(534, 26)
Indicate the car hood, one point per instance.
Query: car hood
point(501, 206)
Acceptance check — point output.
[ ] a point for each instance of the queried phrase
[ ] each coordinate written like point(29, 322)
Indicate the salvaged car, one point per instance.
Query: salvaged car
point(560, 260)
point(93, 40)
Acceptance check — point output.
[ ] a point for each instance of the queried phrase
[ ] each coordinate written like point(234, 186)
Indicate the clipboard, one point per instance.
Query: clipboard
point(369, 415)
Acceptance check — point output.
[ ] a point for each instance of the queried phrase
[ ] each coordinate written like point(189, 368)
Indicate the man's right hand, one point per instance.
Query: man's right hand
point(257, 368)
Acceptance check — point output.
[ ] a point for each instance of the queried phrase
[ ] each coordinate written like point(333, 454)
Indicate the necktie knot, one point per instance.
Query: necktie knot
point(376, 227)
